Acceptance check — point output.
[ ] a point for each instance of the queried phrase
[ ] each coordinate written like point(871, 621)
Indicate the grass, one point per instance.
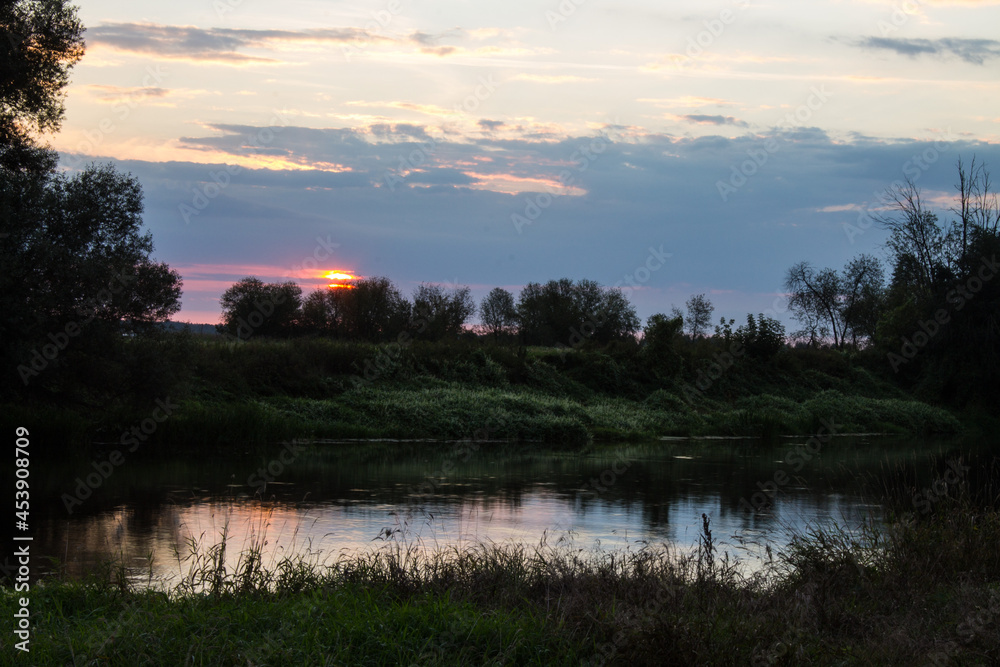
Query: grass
point(263, 391)
point(925, 587)
point(436, 409)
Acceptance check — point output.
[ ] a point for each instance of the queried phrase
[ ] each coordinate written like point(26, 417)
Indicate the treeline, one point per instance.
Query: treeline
point(559, 312)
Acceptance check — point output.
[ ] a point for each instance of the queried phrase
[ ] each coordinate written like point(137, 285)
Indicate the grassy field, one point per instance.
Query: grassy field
point(923, 590)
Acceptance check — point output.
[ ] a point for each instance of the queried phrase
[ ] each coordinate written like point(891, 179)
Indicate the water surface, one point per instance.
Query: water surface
point(337, 498)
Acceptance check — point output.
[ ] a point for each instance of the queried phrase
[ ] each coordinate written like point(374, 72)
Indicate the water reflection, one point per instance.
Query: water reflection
point(339, 498)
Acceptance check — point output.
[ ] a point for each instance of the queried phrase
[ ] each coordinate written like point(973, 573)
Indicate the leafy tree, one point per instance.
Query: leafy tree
point(699, 310)
point(324, 312)
point(568, 313)
point(442, 313)
point(77, 268)
point(547, 313)
point(77, 265)
point(724, 329)
point(618, 319)
point(498, 312)
point(375, 310)
point(40, 41)
point(251, 307)
point(372, 309)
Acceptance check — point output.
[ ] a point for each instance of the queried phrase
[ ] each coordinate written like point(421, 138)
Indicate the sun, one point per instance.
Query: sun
point(341, 279)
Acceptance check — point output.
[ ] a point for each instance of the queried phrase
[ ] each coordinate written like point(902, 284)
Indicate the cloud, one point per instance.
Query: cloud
point(220, 45)
point(441, 176)
point(974, 51)
point(550, 78)
point(427, 109)
point(230, 46)
point(703, 119)
point(688, 101)
point(116, 94)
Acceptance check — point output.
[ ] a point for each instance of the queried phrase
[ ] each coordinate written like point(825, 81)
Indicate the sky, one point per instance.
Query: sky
point(667, 148)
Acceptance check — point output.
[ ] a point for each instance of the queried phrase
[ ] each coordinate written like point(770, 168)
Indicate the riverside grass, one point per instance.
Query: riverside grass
point(440, 410)
point(924, 589)
point(262, 391)
point(432, 408)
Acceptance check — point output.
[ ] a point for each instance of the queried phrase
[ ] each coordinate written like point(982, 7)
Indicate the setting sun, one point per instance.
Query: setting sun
point(339, 277)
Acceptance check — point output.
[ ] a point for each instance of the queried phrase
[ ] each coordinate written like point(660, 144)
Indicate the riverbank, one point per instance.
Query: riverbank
point(926, 589)
point(223, 394)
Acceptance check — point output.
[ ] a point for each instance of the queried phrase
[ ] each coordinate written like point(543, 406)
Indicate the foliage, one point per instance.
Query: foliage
point(444, 312)
point(251, 307)
point(658, 340)
point(498, 313)
point(699, 310)
point(78, 271)
point(565, 313)
point(763, 338)
point(814, 300)
point(40, 41)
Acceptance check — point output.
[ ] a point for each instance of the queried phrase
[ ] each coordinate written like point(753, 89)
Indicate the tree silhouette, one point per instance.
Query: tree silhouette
point(498, 312)
point(699, 310)
point(442, 313)
point(562, 312)
point(251, 307)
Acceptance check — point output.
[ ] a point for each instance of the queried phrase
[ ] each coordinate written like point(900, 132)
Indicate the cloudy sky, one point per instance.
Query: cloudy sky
point(672, 148)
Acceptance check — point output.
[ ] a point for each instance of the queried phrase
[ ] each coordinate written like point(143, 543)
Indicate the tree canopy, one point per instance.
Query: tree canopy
point(40, 41)
point(252, 307)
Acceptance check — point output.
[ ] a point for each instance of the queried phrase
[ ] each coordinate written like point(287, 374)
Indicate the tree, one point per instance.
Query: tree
point(978, 207)
point(442, 313)
point(562, 312)
point(863, 284)
point(699, 310)
point(40, 41)
point(498, 312)
point(77, 264)
point(814, 299)
point(375, 310)
point(547, 313)
point(372, 309)
point(617, 318)
point(251, 307)
point(77, 268)
point(324, 311)
point(916, 241)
